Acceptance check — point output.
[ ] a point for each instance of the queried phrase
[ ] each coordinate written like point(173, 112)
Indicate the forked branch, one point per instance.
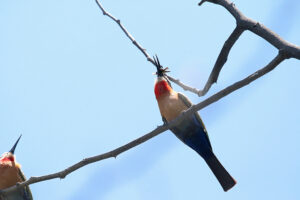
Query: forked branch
point(245, 23)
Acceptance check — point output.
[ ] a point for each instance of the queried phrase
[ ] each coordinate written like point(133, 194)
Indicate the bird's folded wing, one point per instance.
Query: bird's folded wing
point(188, 103)
point(26, 191)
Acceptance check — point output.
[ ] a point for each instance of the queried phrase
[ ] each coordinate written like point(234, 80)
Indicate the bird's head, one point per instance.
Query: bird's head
point(9, 157)
point(162, 84)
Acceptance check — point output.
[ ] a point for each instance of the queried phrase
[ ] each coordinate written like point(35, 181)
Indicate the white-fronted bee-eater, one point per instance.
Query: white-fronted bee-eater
point(11, 174)
point(191, 130)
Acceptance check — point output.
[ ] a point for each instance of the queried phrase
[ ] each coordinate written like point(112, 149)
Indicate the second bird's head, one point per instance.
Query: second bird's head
point(9, 157)
point(162, 84)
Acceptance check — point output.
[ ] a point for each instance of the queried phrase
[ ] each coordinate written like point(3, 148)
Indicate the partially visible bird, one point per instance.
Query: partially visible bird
point(11, 174)
point(191, 130)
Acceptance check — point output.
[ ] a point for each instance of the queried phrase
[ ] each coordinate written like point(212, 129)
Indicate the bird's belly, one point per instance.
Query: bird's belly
point(171, 107)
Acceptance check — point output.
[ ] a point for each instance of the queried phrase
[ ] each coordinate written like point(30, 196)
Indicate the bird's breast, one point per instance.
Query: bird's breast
point(9, 176)
point(171, 106)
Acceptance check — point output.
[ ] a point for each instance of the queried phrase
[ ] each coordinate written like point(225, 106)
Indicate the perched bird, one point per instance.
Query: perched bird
point(191, 130)
point(11, 174)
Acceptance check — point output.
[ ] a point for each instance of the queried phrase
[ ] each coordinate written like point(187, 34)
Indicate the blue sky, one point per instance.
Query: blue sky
point(75, 86)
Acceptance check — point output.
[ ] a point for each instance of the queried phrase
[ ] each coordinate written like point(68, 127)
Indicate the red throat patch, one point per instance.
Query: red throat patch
point(7, 159)
point(161, 88)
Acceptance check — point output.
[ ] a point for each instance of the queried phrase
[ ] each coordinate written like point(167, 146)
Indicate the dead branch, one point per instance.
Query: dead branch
point(244, 23)
point(143, 50)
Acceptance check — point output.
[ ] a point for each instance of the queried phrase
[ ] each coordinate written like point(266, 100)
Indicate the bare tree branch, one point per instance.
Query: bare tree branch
point(222, 58)
point(114, 153)
point(143, 50)
point(288, 50)
point(244, 23)
point(291, 50)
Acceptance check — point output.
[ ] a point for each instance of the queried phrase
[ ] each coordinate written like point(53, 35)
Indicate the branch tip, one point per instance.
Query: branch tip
point(201, 2)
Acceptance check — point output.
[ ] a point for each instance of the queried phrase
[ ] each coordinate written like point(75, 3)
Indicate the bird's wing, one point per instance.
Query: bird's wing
point(27, 193)
point(188, 103)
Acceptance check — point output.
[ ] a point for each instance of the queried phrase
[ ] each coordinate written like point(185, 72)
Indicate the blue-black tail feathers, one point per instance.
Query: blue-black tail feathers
point(224, 178)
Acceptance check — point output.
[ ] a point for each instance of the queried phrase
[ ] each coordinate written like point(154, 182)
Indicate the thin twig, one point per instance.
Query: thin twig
point(143, 50)
point(114, 153)
point(184, 86)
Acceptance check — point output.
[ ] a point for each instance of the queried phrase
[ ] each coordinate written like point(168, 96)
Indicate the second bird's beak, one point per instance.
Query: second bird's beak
point(15, 145)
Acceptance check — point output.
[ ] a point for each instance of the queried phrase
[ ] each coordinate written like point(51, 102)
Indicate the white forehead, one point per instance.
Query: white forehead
point(160, 78)
point(6, 154)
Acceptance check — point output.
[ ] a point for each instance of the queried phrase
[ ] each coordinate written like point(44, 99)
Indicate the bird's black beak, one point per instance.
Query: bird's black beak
point(160, 70)
point(15, 145)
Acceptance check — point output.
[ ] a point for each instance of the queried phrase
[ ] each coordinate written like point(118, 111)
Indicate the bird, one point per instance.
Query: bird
point(191, 130)
point(11, 174)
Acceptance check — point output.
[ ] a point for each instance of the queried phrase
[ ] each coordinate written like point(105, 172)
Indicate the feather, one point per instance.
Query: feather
point(188, 103)
point(26, 190)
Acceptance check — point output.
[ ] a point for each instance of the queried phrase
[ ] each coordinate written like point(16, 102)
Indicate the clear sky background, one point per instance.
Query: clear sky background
point(75, 86)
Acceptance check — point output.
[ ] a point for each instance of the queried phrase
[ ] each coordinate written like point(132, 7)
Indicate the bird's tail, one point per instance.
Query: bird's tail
point(224, 178)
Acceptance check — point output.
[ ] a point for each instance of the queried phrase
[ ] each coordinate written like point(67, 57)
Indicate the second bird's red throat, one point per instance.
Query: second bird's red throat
point(161, 88)
point(7, 158)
